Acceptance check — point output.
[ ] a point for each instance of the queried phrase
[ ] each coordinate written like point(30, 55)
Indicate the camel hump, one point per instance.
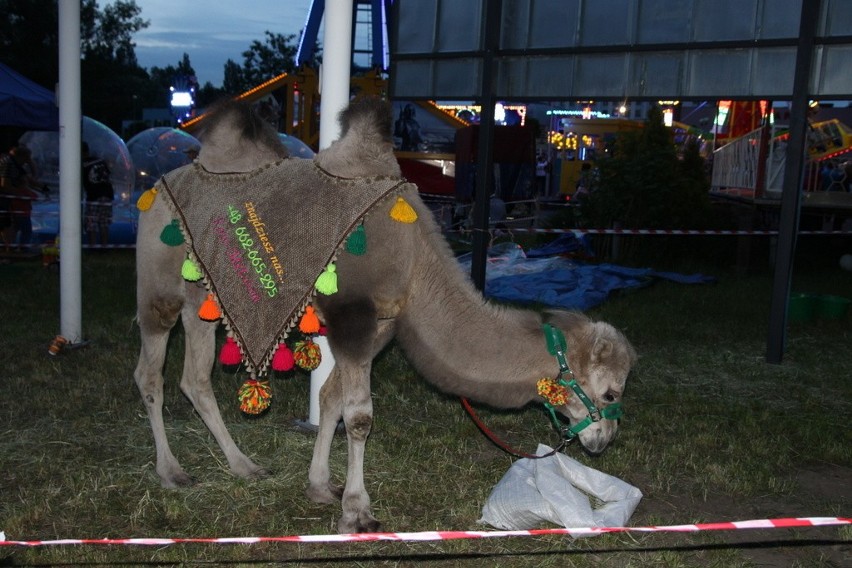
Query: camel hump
point(237, 139)
point(367, 117)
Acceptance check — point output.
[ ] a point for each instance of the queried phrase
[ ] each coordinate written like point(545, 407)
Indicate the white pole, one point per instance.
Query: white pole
point(334, 93)
point(70, 136)
point(318, 377)
point(336, 65)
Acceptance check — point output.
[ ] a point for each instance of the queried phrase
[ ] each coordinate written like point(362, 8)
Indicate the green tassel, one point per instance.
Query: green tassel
point(357, 242)
point(327, 281)
point(190, 271)
point(171, 234)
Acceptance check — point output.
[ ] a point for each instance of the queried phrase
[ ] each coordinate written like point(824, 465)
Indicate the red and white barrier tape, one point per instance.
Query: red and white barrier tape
point(681, 232)
point(786, 523)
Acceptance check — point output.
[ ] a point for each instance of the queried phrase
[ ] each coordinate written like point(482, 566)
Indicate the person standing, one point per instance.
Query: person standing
point(16, 176)
point(99, 197)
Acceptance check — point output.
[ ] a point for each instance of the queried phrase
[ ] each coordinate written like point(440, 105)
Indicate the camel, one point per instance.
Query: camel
point(407, 286)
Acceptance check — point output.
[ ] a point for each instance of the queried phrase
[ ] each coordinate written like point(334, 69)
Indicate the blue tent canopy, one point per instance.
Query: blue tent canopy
point(26, 104)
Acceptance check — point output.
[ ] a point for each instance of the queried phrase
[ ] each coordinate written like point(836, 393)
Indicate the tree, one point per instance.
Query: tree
point(29, 39)
point(644, 185)
point(108, 35)
point(234, 82)
point(261, 62)
point(29, 43)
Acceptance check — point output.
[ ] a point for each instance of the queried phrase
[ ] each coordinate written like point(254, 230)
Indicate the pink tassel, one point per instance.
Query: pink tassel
point(283, 359)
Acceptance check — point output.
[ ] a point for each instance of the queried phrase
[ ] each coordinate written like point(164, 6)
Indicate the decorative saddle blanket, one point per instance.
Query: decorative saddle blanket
point(263, 237)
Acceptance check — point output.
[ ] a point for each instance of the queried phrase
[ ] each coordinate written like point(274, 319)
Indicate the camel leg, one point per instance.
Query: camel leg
point(156, 320)
point(358, 418)
point(195, 383)
point(320, 488)
point(355, 336)
point(160, 295)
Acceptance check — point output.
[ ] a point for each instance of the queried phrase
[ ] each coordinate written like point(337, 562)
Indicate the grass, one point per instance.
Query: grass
point(712, 432)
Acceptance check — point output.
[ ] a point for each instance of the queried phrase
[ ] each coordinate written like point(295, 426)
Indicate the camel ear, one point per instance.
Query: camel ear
point(602, 349)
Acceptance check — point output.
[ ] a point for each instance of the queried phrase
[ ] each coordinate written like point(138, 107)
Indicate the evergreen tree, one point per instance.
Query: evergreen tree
point(645, 185)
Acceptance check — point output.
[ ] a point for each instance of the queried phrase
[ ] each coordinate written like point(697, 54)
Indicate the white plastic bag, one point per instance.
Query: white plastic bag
point(556, 489)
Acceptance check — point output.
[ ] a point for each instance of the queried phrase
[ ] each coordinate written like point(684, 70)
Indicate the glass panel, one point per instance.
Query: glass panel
point(839, 17)
point(600, 75)
point(773, 71)
point(416, 26)
point(835, 79)
point(722, 73)
point(553, 23)
point(458, 25)
point(656, 75)
point(412, 79)
point(550, 76)
point(605, 22)
point(663, 21)
point(512, 78)
point(515, 24)
point(722, 20)
point(780, 19)
point(457, 78)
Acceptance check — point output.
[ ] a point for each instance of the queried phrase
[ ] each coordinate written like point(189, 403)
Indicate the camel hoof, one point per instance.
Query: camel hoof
point(364, 523)
point(177, 480)
point(256, 474)
point(244, 468)
point(326, 494)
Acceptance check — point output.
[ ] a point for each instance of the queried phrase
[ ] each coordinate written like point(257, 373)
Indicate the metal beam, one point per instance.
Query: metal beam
point(491, 12)
point(793, 179)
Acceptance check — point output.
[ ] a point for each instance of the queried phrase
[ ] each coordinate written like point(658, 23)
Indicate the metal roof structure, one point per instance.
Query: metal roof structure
point(490, 50)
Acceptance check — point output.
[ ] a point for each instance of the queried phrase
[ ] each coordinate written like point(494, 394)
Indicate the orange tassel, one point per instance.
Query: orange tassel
point(209, 311)
point(310, 321)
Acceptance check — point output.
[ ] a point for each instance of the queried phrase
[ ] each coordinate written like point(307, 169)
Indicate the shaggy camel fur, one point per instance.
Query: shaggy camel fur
point(407, 286)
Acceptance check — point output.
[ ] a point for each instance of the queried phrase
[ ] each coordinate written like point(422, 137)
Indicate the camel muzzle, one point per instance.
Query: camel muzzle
point(557, 346)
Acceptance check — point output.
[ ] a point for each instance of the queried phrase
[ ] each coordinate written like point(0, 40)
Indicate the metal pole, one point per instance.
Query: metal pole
point(70, 137)
point(334, 81)
point(793, 178)
point(491, 13)
point(336, 67)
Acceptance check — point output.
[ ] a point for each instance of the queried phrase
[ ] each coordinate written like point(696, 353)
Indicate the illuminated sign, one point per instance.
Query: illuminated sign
point(182, 99)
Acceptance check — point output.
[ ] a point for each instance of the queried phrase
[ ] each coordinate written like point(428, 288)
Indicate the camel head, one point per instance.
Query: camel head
point(594, 361)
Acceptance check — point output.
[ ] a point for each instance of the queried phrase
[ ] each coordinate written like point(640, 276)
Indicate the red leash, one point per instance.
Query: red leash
point(497, 441)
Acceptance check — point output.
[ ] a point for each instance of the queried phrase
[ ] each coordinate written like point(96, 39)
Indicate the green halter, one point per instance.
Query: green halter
point(557, 347)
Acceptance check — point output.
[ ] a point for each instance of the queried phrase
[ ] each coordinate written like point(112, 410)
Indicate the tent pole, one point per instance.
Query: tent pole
point(70, 137)
point(792, 189)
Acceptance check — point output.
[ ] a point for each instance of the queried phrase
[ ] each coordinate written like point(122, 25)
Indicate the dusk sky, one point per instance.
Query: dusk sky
point(211, 32)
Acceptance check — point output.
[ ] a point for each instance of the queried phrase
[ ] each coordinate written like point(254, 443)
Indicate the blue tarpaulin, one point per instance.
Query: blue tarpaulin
point(541, 276)
point(26, 104)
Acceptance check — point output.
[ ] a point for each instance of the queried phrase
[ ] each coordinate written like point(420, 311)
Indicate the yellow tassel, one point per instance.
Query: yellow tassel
point(146, 200)
point(209, 311)
point(310, 321)
point(403, 212)
point(327, 281)
point(190, 271)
